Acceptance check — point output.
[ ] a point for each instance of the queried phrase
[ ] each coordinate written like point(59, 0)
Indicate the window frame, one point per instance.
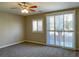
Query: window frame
point(37, 31)
point(62, 13)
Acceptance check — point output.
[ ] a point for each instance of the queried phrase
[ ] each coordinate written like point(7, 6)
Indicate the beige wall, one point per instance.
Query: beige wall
point(11, 29)
point(41, 37)
point(31, 36)
point(77, 28)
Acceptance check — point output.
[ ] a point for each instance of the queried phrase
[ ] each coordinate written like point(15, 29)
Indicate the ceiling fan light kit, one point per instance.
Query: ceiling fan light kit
point(24, 11)
point(27, 7)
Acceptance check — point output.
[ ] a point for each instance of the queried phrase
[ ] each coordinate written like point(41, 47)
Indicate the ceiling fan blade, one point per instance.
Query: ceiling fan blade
point(33, 10)
point(33, 7)
point(14, 8)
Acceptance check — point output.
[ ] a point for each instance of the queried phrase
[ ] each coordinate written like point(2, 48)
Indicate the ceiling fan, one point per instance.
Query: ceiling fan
point(26, 7)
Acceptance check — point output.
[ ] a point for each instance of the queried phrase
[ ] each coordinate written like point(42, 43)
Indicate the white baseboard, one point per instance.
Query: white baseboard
point(77, 49)
point(35, 42)
point(11, 44)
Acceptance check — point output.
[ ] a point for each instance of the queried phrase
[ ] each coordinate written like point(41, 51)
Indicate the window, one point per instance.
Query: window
point(51, 23)
point(37, 25)
point(59, 22)
point(34, 25)
point(60, 30)
point(68, 22)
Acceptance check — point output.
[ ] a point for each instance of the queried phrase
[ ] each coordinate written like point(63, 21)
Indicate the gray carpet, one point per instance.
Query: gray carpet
point(35, 50)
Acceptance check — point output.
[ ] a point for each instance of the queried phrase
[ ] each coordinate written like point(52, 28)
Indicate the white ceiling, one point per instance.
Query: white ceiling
point(42, 6)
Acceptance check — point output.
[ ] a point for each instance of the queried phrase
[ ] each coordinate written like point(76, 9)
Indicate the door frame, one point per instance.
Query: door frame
point(59, 13)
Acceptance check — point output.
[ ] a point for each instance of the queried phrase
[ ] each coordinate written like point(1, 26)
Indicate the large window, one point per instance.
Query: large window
point(59, 22)
point(60, 30)
point(68, 22)
point(37, 26)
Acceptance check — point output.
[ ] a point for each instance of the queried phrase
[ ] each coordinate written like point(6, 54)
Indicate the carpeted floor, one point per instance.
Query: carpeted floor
point(35, 50)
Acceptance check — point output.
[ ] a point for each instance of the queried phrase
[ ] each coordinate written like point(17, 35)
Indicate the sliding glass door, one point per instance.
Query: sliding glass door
point(50, 30)
point(60, 30)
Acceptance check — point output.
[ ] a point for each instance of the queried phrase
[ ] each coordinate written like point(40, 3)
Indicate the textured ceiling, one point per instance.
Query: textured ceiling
point(42, 6)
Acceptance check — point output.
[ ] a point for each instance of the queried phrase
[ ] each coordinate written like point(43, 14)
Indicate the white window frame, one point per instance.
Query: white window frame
point(65, 12)
point(37, 31)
